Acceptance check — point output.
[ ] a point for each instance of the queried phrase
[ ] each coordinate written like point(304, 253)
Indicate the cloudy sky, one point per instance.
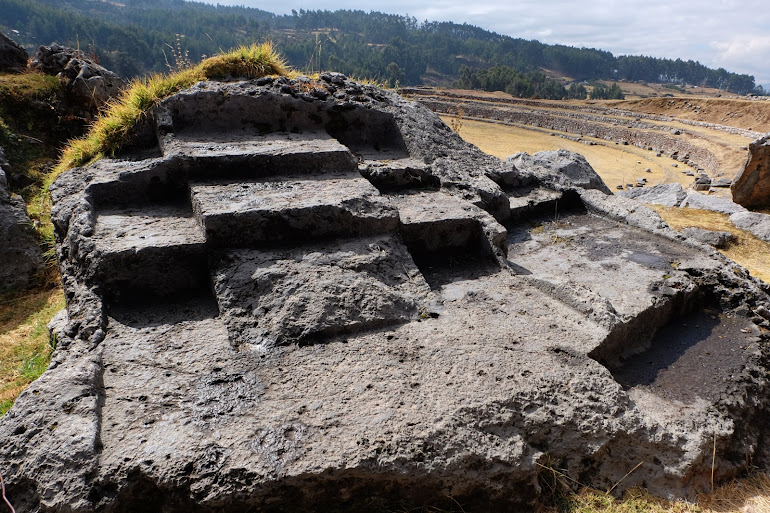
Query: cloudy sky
point(719, 33)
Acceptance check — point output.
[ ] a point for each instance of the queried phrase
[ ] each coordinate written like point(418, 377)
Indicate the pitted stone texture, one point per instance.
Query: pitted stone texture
point(375, 124)
point(399, 174)
point(315, 372)
point(246, 214)
point(535, 201)
point(155, 251)
point(271, 298)
point(133, 230)
point(435, 222)
point(751, 188)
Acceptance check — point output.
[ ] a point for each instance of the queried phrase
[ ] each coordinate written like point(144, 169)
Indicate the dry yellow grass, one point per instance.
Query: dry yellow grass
point(747, 250)
point(749, 495)
point(616, 164)
point(25, 349)
point(739, 113)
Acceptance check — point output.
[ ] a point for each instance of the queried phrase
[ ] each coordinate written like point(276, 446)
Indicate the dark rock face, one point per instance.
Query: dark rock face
point(751, 188)
point(87, 83)
point(13, 58)
point(20, 257)
point(312, 293)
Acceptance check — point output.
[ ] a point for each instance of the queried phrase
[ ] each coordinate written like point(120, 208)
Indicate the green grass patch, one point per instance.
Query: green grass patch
point(21, 89)
point(113, 129)
point(25, 348)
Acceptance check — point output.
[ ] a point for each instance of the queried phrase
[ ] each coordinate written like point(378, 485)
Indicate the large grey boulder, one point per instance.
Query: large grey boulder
point(751, 188)
point(561, 167)
point(13, 58)
point(754, 222)
point(718, 239)
point(307, 295)
point(87, 83)
point(665, 194)
point(713, 203)
point(20, 256)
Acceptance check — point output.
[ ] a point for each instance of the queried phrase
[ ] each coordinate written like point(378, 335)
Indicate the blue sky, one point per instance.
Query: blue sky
point(718, 33)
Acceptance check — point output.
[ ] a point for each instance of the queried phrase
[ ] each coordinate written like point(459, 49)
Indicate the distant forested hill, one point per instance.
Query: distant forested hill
point(134, 37)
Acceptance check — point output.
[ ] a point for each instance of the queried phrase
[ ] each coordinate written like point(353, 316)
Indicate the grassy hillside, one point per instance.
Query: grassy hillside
point(133, 37)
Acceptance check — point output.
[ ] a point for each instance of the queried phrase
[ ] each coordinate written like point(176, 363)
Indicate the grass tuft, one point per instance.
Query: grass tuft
point(113, 128)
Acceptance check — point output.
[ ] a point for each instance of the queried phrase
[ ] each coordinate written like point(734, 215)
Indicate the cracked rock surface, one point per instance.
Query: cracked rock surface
point(301, 294)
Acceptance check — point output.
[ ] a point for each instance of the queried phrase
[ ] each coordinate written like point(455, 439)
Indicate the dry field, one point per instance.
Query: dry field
point(616, 164)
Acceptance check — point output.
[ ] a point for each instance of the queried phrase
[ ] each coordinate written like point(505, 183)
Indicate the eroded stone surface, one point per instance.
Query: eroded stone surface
point(243, 214)
point(393, 315)
point(269, 298)
point(751, 188)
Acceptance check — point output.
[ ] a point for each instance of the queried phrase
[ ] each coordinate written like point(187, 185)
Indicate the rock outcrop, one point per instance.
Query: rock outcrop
point(718, 239)
point(560, 165)
point(754, 222)
point(13, 58)
point(87, 83)
point(307, 293)
point(665, 194)
point(751, 188)
point(20, 256)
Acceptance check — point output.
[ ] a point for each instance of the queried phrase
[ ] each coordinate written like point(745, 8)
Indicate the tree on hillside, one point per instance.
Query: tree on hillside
point(577, 92)
point(602, 92)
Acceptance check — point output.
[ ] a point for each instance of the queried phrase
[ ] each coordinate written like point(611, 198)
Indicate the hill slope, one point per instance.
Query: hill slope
point(138, 36)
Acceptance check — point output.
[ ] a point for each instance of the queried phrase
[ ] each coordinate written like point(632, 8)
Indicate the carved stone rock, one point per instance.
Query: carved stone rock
point(313, 293)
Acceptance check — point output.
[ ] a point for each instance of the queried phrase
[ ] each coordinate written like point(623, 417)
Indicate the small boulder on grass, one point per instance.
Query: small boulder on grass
point(717, 239)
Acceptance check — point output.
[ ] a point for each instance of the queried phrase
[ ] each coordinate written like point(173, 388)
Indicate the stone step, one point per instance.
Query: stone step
point(445, 233)
point(156, 251)
point(308, 293)
point(437, 222)
point(248, 214)
point(538, 201)
point(221, 156)
point(244, 153)
point(398, 173)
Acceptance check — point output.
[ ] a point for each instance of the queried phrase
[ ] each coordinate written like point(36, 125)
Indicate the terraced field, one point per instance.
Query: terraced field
point(660, 140)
